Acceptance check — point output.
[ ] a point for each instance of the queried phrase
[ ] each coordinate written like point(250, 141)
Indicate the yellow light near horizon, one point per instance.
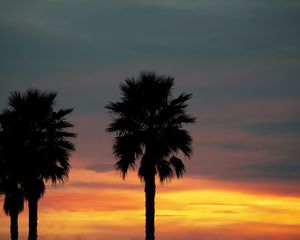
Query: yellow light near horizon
point(219, 207)
point(98, 203)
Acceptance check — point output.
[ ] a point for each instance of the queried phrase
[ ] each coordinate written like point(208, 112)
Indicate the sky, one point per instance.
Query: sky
point(241, 61)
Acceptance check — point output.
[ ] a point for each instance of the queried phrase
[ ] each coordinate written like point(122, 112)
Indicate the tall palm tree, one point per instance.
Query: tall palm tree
point(42, 145)
point(148, 125)
point(34, 190)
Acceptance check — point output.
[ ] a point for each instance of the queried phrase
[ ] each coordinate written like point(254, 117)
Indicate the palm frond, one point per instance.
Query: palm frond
point(127, 144)
point(174, 112)
point(127, 148)
point(61, 113)
point(178, 166)
point(56, 174)
point(13, 202)
point(177, 139)
point(127, 109)
point(16, 100)
point(130, 89)
point(181, 119)
point(124, 164)
point(165, 172)
point(123, 125)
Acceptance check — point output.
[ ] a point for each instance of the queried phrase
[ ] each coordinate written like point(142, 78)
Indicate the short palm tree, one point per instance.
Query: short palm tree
point(42, 145)
point(13, 205)
point(148, 125)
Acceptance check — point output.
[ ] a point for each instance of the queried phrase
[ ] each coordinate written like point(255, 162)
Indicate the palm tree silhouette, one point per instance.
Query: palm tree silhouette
point(41, 150)
point(9, 182)
point(13, 205)
point(148, 125)
point(13, 201)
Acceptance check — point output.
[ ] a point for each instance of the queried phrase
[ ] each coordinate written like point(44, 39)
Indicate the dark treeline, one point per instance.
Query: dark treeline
point(35, 143)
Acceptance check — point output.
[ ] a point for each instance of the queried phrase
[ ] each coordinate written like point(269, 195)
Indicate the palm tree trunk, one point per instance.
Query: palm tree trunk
point(14, 226)
point(150, 206)
point(33, 218)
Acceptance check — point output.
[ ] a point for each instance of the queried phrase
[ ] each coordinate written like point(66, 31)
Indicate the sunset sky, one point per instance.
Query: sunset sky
point(241, 61)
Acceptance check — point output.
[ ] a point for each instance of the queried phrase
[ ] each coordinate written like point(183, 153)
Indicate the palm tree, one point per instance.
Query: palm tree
point(9, 184)
point(148, 125)
point(13, 205)
point(13, 202)
point(42, 146)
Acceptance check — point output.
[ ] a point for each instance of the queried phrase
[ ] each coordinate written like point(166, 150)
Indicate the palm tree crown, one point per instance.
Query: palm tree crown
point(36, 141)
point(148, 123)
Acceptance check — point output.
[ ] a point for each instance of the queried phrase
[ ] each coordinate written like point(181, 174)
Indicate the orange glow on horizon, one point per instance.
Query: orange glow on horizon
point(96, 204)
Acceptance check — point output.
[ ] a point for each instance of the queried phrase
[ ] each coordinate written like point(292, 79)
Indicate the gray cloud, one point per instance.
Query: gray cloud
point(235, 39)
point(94, 185)
point(282, 170)
point(285, 127)
point(101, 167)
point(51, 36)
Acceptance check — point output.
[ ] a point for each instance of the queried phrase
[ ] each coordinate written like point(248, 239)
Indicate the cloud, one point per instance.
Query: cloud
point(285, 127)
point(100, 167)
point(104, 185)
point(42, 38)
point(280, 170)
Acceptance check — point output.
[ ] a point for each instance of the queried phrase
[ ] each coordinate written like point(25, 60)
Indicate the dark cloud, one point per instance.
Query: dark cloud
point(282, 170)
point(51, 36)
point(237, 147)
point(105, 185)
point(101, 167)
point(286, 127)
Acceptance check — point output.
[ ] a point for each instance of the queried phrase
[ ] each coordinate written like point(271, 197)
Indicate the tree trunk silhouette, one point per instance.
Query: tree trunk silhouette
point(33, 218)
point(14, 226)
point(150, 206)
